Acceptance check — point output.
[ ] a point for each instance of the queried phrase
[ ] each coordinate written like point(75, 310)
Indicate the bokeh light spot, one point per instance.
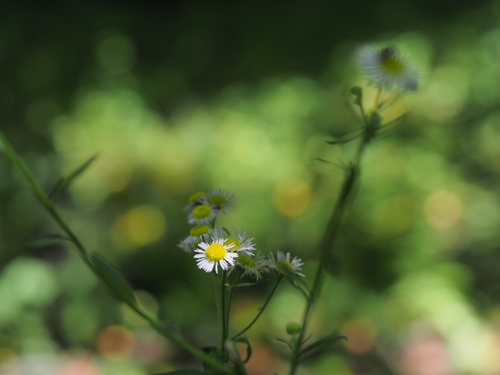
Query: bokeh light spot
point(443, 209)
point(291, 197)
point(138, 227)
point(116, 342)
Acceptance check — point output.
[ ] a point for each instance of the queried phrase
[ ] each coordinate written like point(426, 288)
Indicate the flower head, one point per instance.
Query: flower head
point(221, 199)
point(197, 234)
point(284, 264)
point(388, 69)
point(202, 215)
point(213, 254)
point(239, 241)
point(195, 200)
point(254, 267)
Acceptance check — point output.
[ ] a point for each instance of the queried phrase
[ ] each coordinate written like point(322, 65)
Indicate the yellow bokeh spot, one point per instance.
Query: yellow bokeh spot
point(138, 227)
point(443, 209)
point(291, 197)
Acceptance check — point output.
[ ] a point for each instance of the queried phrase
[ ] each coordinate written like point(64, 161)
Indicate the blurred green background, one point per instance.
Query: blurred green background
point(182, 96)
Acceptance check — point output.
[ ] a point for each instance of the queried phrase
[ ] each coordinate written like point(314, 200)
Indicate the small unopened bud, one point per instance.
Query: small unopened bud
point(358, 93)
point(293, 328)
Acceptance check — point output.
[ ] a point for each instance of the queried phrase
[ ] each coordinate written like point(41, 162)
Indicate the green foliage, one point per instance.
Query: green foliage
point(115, 280)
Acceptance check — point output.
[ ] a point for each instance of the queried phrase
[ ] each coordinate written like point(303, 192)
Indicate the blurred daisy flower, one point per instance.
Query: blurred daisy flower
point(202, 215)
point(221, 199)
point(284, 264)
point(388, 69)
point(214, 254)
point(195, 200)
point(197, 234)
point(254, 267)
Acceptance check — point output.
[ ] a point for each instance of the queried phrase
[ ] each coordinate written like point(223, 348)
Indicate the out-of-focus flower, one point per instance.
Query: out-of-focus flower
point(284, 264)
point(387, 68)
point(202, 215)
point(221, 199)
point(254, 267)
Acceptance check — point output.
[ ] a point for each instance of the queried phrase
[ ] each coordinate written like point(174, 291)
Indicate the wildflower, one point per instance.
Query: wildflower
point(195, 200)
point(240, 241)
point(388, 69)
point(214, 254)
point(198, 234)
point(253, 267)
point(221, 199)
point(202, 215)
point(284, 264)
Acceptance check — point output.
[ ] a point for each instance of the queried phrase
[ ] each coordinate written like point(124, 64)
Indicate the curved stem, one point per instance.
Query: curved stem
point(326, 245)
point(44, 200)
point(261, 310)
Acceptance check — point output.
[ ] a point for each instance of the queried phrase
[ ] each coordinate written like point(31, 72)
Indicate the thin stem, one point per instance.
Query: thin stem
point(42, 197)
point(261, 310)
point(326, 245)
point(224, 311)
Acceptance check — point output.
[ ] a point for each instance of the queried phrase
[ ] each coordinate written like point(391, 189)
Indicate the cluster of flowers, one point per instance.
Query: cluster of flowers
point(215, 247)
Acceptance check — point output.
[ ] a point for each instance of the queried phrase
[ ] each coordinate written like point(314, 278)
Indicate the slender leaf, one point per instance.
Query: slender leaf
point(285, 342)
point(244, 340)
point(114, 279)
point(242, 285)
point(48, 240)
point(322, 345)
point(64, 182)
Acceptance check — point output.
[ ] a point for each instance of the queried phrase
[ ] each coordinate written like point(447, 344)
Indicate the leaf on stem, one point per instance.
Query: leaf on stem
point(47, 240)
point(64, 182)
point(244, 340)
point(285, 342)
point(321, 346)
point(115, 281)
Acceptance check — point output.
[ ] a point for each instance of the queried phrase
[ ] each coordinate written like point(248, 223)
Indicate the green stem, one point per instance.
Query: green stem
point(326, 245)
point(261, 310)
point(224, 311)
point(42, 197)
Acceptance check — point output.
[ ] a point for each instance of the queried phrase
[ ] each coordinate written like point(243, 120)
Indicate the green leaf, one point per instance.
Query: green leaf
point(274, 373)
point(321, 346)
point(244, 340)
point(117, 283)
point(48, 240)
point(64, 182)
point(285, 342)
point(242, 285)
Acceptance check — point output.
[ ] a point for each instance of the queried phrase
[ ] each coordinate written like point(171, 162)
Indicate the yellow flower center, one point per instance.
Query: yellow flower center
point(202, 211)
point(392, 65)
point(195, 196)
point(235, 242)
point(216, 252)
point(200, 230)
point(217, 200)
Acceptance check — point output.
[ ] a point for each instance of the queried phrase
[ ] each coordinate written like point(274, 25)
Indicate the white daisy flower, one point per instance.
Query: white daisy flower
point(195, 200)
point(254, 267)
point(284, 263)
point(239, 240)
point(202, 215)
point(388, 69)
point(198, 234)
point(214, 254)
point(221, 199)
